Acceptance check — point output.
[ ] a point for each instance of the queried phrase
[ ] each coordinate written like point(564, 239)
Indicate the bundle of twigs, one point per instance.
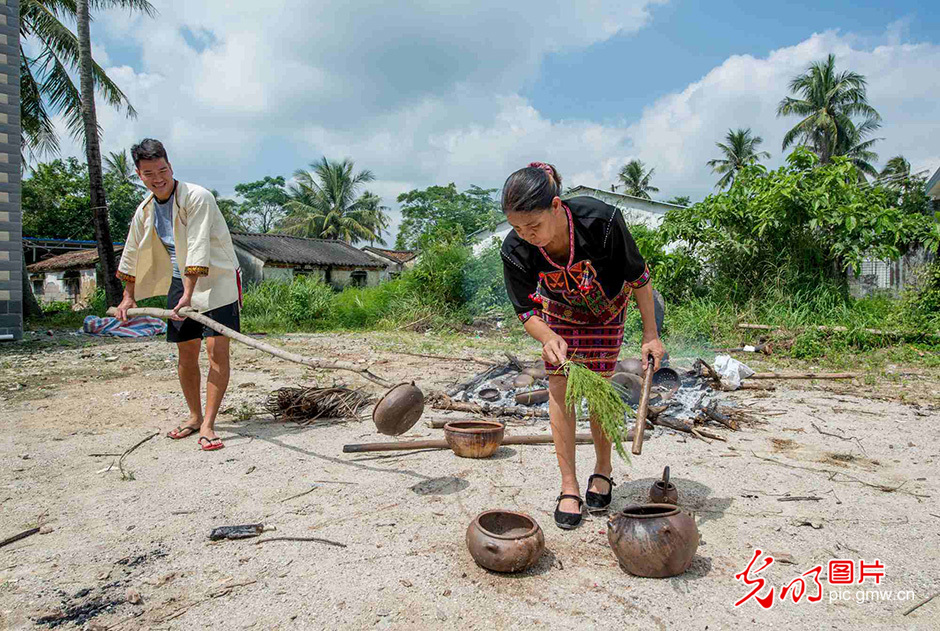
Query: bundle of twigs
point(306, 405)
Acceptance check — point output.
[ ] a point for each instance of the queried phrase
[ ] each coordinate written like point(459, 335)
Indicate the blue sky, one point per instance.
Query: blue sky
point(424, 92)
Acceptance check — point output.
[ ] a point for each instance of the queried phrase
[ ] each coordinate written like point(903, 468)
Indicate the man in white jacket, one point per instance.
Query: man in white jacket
point(179, 246)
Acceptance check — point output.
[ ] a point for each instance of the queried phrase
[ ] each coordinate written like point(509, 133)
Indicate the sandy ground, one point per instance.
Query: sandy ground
point(402, 516)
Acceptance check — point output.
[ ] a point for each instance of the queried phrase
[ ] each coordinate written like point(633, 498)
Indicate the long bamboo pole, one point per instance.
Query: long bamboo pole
point(250, 341)
point(537, 439)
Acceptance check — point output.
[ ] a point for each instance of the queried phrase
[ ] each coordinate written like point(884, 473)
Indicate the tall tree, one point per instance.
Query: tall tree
point(264, 201)
point(46, 85)
point(739, 150)
point(99, 204)
point(442, 212)
point(829, 102)
point(232, 212)
point(681, 200)
point(375, 216)
point(325, 203)
point(635, 179)
point(120, 167)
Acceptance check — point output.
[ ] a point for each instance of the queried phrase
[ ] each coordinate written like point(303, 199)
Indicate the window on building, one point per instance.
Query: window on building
point(359, 279)
point(38, 285)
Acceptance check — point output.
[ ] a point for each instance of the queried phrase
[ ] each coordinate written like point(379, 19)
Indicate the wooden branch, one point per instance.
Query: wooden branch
point(261, 346)
point(538, 439)
point(836, 329)
point(680, 426)
point(756, 386)
point(712, 412)
point(806, 375)
point(22, 535)
point(124, 474)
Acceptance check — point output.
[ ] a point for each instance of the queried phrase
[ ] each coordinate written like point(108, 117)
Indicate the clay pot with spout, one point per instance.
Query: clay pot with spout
point(653, 540)
point(663, 491)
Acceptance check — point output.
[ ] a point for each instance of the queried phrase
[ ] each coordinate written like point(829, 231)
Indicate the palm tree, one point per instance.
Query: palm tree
point(325, 203)
point(376, 216)
point(829, 102)
point(635, 179)
point(46, 84)
point(119, 166)
point(680, 200)
point(740, 150)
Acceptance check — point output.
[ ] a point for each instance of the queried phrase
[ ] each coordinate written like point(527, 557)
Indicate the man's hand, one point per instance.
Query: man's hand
point(654, 347)
point(184, 302)
point(126, 303)
point(555, 350)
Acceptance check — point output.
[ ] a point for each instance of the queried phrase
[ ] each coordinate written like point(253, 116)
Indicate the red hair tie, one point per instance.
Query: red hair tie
point(545, 167)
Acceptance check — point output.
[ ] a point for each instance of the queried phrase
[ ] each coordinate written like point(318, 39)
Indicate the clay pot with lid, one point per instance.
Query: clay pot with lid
point(399, 409)
point(663, 491)
point(653, 540)
point(474, 439)
point(505, 541)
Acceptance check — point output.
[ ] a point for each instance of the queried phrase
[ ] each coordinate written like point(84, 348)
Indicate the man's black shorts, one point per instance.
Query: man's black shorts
point(190, 329)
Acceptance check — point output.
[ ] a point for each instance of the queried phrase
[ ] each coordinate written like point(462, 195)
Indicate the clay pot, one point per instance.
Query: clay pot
point(630, 365)
point(536, 371)
point(632, 386)
point(489, 394)
point(505, 541)
point(532, 397)
point(666, 378)
point(653, 540)
point(505, 382)
point(663, 491)
point(523, 381)
point(473, 439)
point(399, 409)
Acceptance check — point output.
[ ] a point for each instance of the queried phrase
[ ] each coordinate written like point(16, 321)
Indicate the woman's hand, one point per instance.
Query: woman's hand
point(555, 350)
point(653, 346)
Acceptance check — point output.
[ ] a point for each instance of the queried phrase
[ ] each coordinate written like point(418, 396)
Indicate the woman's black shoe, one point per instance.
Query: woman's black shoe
point(567, 520)
point(599, 501)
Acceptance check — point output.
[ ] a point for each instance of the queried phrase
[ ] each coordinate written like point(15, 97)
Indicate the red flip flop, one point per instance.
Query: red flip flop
point(177, 433)
point(211, 444)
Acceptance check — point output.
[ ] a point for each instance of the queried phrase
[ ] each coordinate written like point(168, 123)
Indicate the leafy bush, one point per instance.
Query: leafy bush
point(484, 289)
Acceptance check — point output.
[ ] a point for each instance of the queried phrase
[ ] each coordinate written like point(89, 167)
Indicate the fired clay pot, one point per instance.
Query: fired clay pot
point(631, 365)
point(399, 409)
point(489, 394)
point(653, 540)
point(505, 541)
point(523, 381)
point(474, 439)
point(532, 397)
point(663, 491)
point(537, 371)
point(631, 384)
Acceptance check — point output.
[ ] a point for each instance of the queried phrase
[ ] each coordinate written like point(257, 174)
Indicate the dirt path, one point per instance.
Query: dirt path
point(402, 516)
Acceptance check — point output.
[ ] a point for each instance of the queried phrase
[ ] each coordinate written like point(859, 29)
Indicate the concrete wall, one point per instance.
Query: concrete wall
point(76, 286)
point(344, 278)
point(279, 274)
point(11, 218)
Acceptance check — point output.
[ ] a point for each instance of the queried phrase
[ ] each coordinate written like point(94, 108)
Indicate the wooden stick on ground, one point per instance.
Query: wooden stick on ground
point(583, 439)
point(922, 603)
point(806, 375)
point(250, 341)
point(476, 360)
point(22, 535)
point(680, 426)
point(124, 474)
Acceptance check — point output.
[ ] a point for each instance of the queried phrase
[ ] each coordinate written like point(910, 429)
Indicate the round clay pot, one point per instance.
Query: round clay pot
point(474, 439)
point(632, 386)
point(505, 541)
point(630, 365)
point(532, 397)
point(653, 540)
point(663, 491)
point(666, 378)
point(399, 409)
point(489, 394)
point(523, 381)
point(536, 371)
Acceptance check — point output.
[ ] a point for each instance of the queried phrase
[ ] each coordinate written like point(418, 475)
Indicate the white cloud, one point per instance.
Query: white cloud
point(423, 94)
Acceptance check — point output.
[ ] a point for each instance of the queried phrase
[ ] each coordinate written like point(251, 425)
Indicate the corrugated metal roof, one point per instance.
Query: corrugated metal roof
point(80, 259)
point(280, 248)
point(399, 256)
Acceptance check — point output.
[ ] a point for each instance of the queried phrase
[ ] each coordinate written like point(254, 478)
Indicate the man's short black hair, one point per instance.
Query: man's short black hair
point(148, 149)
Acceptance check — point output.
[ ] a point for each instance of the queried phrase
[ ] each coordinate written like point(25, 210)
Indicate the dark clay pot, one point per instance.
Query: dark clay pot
point(630, 365)
point(399, 409)
point(632, 387)
point(532, 397)
point(653, 540)
point(537, 371)
point(523, 381)
point(473, 439)
point(663, 491)
point(505, 541)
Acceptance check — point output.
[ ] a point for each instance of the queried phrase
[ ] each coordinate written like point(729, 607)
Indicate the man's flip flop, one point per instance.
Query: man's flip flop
point(177, 433)
point(211, 444)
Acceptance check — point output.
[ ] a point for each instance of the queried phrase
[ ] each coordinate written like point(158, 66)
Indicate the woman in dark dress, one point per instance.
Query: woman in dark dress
point(570, 270)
